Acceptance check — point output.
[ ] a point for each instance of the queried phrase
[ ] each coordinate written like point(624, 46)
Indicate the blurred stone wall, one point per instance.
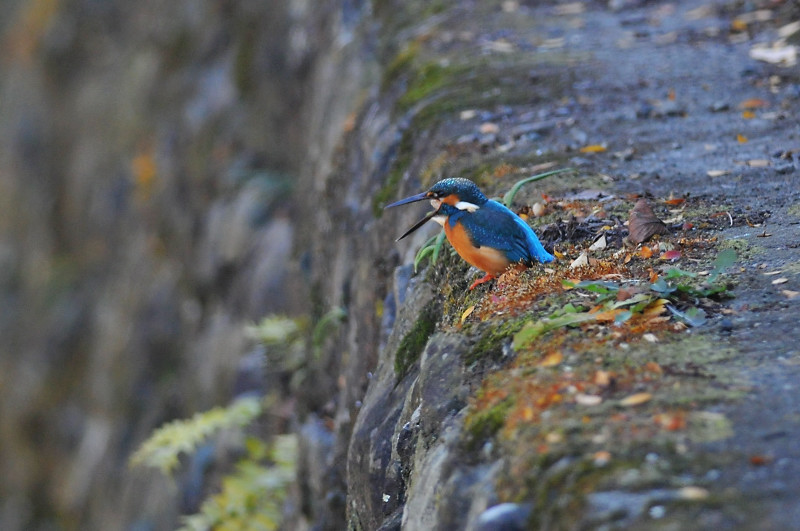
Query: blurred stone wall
point(149, 162)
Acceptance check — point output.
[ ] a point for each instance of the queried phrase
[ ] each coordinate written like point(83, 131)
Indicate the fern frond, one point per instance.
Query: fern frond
point(162, 450)
point(253, 496)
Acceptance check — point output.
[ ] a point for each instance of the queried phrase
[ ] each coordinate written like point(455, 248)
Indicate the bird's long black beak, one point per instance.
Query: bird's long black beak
point(413, 199)
point(419, 223)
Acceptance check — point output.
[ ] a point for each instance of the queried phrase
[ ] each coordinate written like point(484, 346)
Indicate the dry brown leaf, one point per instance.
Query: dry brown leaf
point(635, 399)
point(603, 378)
point(552, 359)
point(717, 173)
point(753, 103)
point(594, 148)
point(489, 128)
point(581, 261)
point(692, 493)
point(467, 313)
point(643, 223)
point(599, 244)
point(588, 400)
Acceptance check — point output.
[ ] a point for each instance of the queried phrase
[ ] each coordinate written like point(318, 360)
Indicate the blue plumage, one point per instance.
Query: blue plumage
point(484, 232)
point(493, 225)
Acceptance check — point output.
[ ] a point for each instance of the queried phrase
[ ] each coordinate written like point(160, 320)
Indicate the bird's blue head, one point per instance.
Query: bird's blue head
point(454, 193)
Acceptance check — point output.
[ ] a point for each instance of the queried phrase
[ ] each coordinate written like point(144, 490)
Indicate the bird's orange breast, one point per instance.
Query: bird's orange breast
point(484, 258)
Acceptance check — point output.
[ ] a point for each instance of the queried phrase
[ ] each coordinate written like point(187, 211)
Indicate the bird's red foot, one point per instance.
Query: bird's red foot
point(486, 278)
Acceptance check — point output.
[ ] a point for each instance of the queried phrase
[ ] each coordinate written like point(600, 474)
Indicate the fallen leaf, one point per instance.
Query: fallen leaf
point(784, 32)
point(717, 173)
point(757, 163)
point(588, 400)
point(753, 103)
point(771, 273)
point(554, 437)
point(782, 280)
point(602, 457)
point(489, 128)
point(581, 261)
point(645, 252)
point(643, 223)
point(552, 359)
point(671, 421)
point(760, 460)
point(676, 201)
point(594, 148)
point(738, 25)
point(602, 378)
point(599, 244)
point(558, 255)
point(785, 55)
point(635, 399)
point(467, 313)
point(741, 138)
point(692, 493)
point(748, 115)
point(653, 367)
point(657, 307)
point(650, 338)
point(671, 255)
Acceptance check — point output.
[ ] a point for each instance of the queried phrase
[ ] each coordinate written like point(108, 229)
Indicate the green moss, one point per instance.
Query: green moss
point(743, 248)
point(794, 210)
point(245, 57)
point(401, 63)
point(388, 191)
point(414, 341)
point(490, 343)
point(425, 81)
point(486, 423)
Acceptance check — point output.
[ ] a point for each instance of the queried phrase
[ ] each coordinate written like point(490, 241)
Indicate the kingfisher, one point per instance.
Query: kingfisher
point(483, 232)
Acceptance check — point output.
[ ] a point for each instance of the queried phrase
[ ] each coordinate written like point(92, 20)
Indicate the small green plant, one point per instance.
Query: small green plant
point(253, 496)
point(509, 197)
point(164, 447)
point(431, 247)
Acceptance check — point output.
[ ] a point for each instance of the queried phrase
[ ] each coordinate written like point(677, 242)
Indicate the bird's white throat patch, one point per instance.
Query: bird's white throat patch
point(440, 219)
point(466, 205)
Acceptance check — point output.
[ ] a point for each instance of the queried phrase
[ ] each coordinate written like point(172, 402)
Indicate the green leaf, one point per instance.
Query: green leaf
point(599, 286)
point(531, 331)
point(662, 287)
point(693, 316)
point(724, 260)
point(273, 330)
point(509, 197)
point(675, 272)
point(431, 247)
point(645, 298)
point(162, 450)
point(622, 317)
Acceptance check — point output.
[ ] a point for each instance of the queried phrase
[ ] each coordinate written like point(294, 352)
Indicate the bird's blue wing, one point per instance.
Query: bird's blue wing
point(495, 226)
